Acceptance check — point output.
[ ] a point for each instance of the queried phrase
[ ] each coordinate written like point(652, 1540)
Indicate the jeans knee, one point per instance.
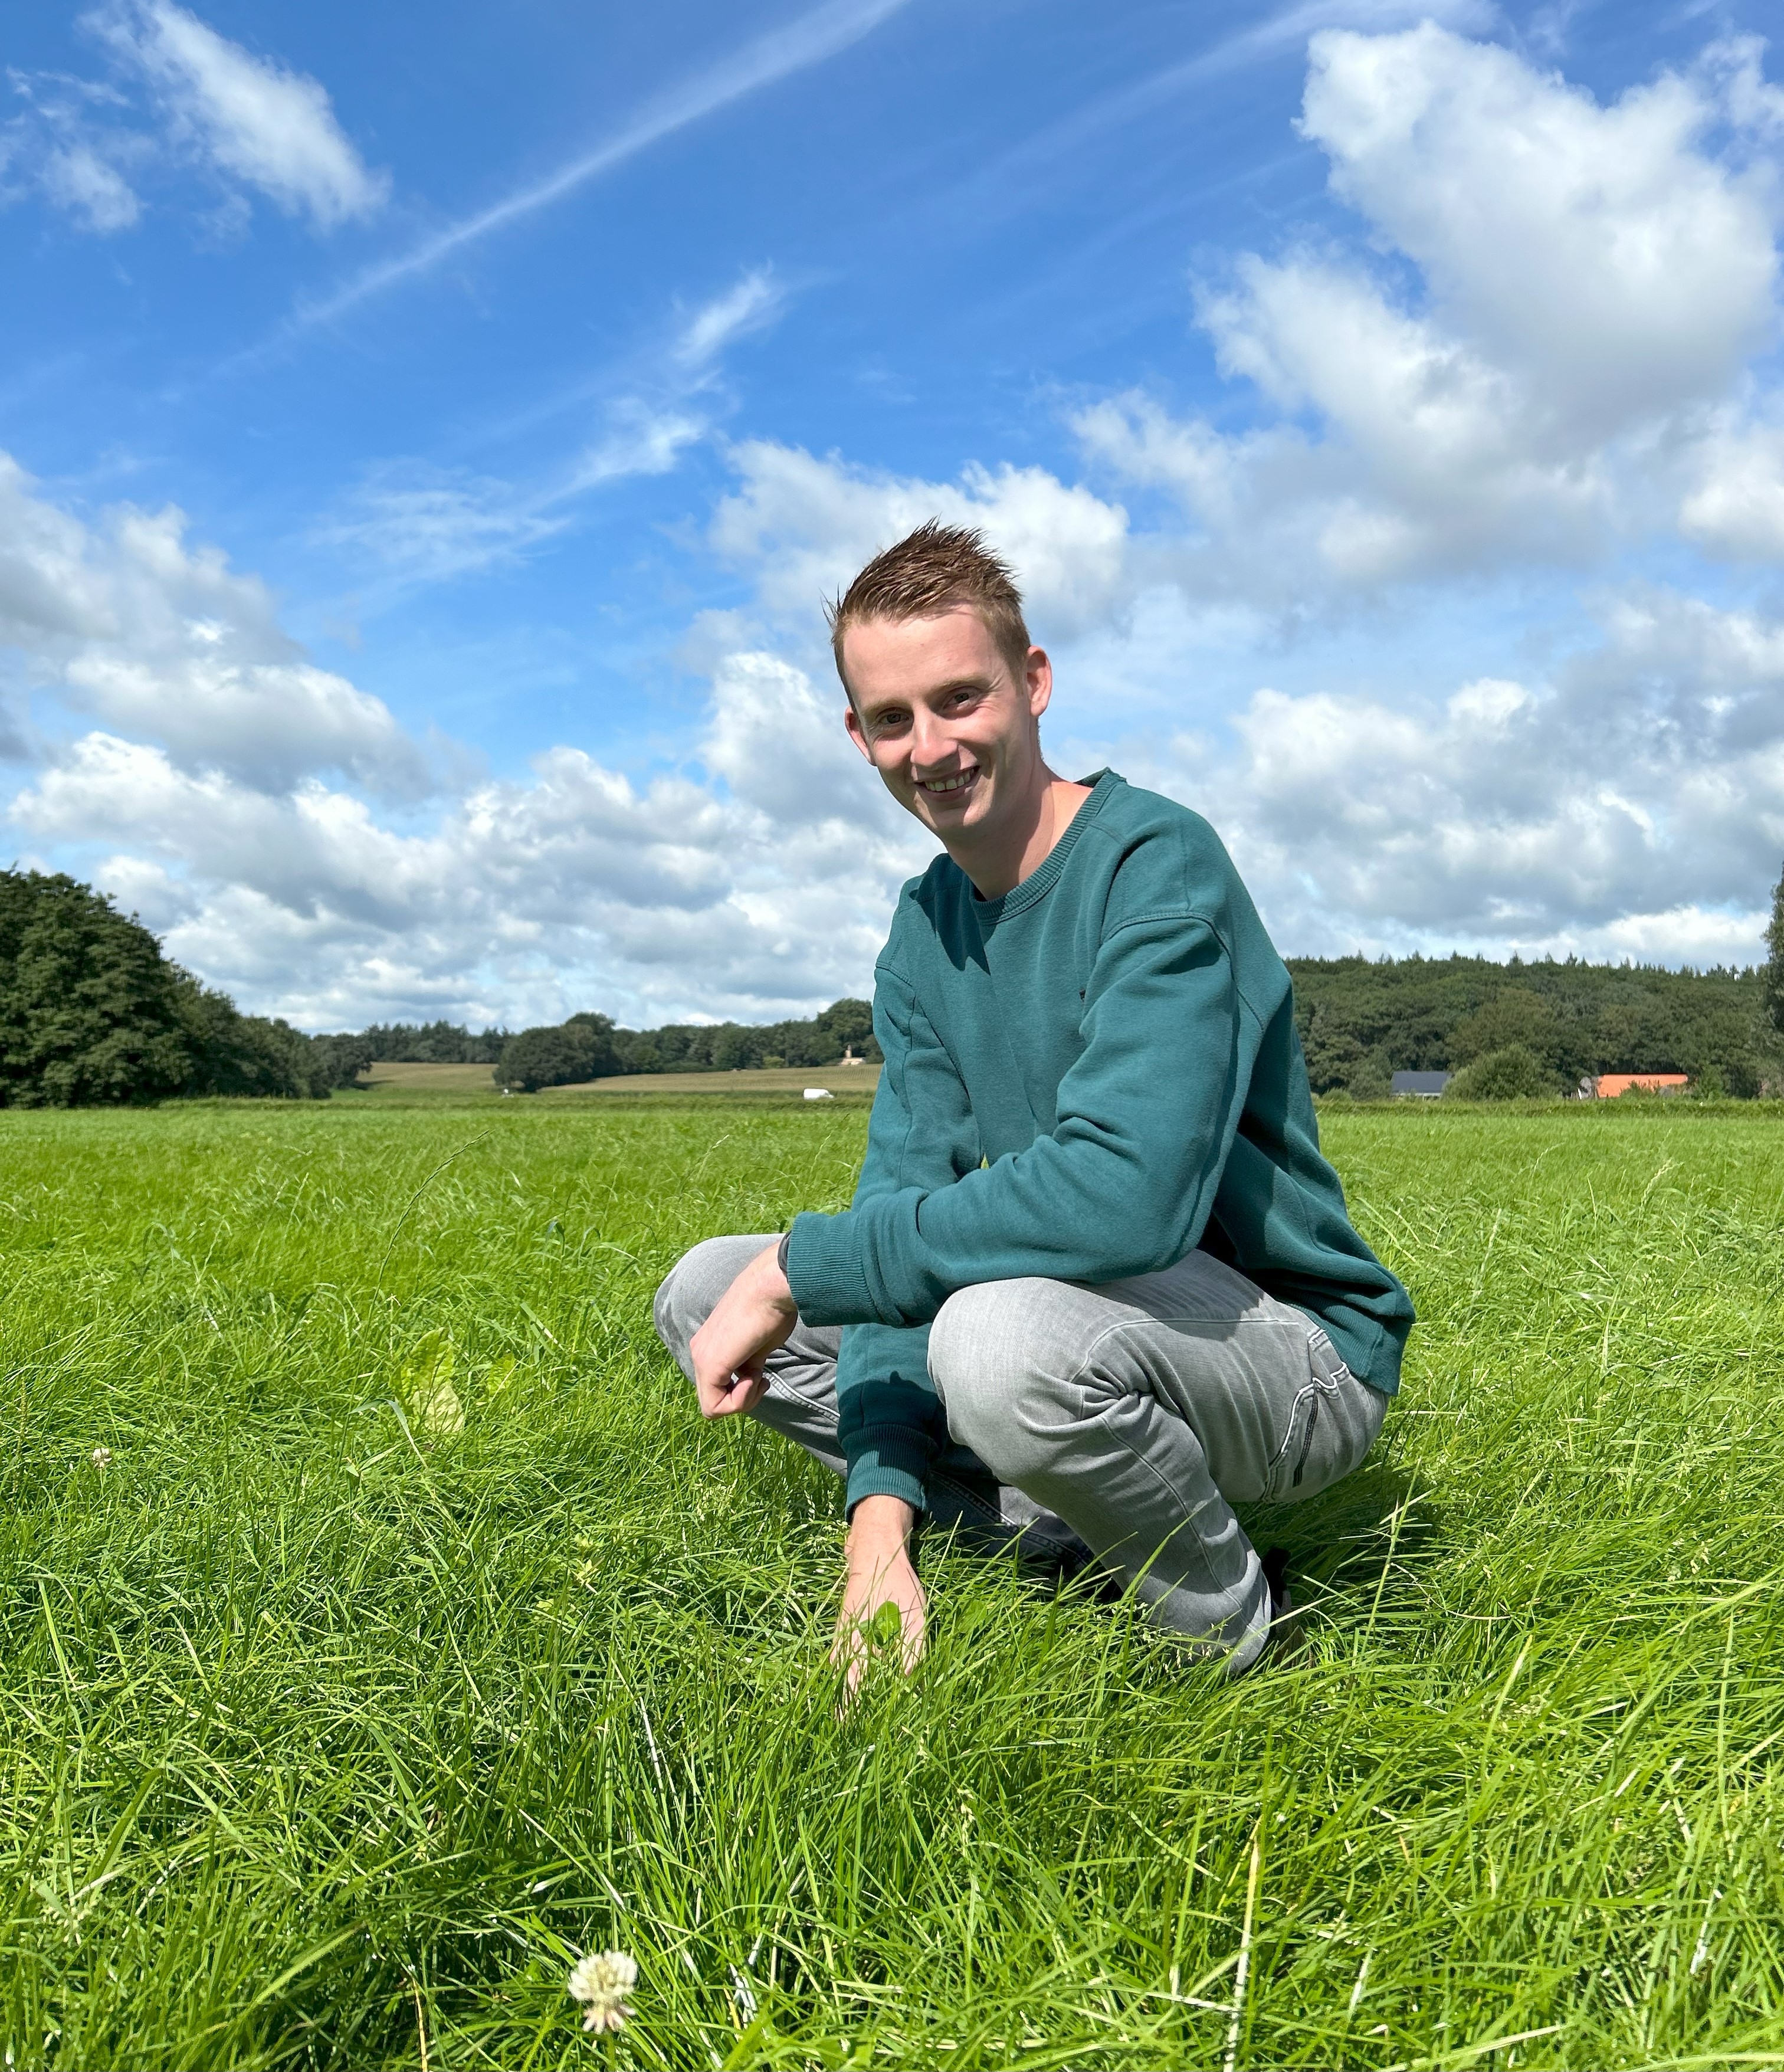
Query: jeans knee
point(989, 1358)
point(690, 1293)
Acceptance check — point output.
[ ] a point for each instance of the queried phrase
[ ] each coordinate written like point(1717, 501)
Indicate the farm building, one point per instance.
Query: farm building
point(1420, 1086)
point(1610, 1084)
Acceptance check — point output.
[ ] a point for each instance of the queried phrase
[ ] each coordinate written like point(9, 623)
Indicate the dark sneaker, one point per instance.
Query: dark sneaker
point(1287, 1640)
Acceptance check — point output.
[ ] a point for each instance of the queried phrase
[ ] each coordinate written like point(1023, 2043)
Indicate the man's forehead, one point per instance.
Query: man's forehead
point(944, 643)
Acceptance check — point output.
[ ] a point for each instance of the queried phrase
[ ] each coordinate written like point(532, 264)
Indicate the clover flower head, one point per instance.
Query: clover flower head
point(602, 1984)
point(102, 1456)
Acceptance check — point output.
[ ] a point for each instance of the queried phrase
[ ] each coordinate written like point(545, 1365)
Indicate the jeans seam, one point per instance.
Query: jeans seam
point(777, 1388)
point(966, 1497)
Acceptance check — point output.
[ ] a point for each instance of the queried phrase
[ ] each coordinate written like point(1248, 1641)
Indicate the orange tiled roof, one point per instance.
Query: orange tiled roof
point(1613, 1083)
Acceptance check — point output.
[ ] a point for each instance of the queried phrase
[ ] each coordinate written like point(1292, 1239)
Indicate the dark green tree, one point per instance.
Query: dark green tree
point(560, 1057)
point(248, 1057)
point(1774, 968)
point(341, 1059)
point(1514, 1073)
point(90, 1009)
point(849, 1025)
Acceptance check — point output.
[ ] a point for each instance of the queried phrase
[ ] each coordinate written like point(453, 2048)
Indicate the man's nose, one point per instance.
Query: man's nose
point(931, 742)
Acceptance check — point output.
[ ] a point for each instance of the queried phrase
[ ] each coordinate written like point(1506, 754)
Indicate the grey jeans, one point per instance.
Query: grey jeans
point(1118, 1423)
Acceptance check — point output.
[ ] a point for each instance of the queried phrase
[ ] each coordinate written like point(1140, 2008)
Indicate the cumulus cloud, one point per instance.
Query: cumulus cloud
point(253, 118)
point(1643, 784)
point(1541, 351)
point(1595, 253)
point(1735, 506)
point(575, 887)
point(803, 526)
point(1593, 278)
point(129, 623)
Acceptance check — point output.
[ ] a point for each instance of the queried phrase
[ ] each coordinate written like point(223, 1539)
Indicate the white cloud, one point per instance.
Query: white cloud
point(751, 306)
point(1594, 252)
point(243, 119)
point(810, 38)
point(127, 622)
point(1595, 278)
point(252, 118)
point(1736, 506)
point(804, 526)
point(1643, 784)
point(576, 888)
point(423, 524)
point(77, 179)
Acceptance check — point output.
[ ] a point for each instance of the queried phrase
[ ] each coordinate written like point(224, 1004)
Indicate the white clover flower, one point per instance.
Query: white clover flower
point(102, 1457)
point(602, 1984)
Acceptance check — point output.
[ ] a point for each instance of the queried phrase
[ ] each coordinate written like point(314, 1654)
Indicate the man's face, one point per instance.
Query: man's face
point(940, 714)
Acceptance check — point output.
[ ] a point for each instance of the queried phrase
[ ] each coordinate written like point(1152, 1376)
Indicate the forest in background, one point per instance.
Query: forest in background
point(92, 1011)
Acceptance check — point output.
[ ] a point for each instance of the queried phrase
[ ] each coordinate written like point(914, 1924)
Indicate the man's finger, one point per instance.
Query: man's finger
point(725, 1395)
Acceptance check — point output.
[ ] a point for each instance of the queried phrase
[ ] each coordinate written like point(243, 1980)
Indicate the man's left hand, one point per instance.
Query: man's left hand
point(755, 1314)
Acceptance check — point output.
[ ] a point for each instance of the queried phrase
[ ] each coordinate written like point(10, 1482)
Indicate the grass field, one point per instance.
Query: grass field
point(415, 1636)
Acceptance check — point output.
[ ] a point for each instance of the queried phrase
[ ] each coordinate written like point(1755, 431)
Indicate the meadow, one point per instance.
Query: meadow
point(379, 1629)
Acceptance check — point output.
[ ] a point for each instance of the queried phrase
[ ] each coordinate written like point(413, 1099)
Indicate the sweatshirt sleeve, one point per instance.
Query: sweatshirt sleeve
point(921, 1138)
point(1123, 1184)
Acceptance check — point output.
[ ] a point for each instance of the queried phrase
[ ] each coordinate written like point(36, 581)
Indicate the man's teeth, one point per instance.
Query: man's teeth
point(948, 784)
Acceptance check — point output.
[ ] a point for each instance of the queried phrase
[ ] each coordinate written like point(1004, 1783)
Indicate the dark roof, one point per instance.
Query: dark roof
point(1421, 1082)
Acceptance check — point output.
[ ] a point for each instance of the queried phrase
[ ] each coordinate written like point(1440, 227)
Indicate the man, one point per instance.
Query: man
point(1097, 1284)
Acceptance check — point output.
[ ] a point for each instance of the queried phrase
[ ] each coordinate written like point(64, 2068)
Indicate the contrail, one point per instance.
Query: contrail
point(808, 41)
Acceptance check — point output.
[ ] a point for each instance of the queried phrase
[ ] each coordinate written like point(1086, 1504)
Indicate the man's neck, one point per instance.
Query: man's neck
point(1018, 850)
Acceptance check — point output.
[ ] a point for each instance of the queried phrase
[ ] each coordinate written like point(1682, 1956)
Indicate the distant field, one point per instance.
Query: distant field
point(411, 1634)
point(433, 1079)
point(458, 1081)
point(792, 1079)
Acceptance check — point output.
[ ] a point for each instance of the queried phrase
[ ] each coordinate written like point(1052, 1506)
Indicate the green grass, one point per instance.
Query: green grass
point(418, 1637)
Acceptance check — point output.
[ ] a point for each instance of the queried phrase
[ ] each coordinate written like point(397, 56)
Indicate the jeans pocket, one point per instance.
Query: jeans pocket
point(1307, 1460)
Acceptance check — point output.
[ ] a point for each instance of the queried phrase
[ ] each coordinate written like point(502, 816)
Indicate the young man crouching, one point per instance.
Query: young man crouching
point(1097, 1284)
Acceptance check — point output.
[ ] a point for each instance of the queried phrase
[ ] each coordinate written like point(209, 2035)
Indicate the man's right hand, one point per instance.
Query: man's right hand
point(879, 1573)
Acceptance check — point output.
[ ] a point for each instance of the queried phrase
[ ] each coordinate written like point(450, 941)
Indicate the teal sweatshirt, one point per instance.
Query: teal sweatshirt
point(1086, 1078)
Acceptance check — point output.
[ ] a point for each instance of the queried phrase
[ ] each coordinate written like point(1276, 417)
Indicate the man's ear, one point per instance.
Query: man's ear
point(857, 733)
point(1037, 677)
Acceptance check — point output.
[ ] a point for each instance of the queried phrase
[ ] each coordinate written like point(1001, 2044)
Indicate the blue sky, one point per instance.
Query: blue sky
point(431, 432)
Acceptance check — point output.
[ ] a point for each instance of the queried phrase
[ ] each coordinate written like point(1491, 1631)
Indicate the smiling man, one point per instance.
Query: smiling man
point(1097, 1284)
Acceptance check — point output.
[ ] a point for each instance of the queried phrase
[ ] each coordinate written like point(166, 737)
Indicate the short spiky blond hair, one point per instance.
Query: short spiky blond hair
point(929, 571)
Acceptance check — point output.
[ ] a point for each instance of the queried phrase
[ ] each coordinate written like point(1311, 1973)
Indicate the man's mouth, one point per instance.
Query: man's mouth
point(941, 787)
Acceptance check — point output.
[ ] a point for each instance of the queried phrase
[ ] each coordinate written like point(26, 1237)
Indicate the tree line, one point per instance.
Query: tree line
point(92, 1011)
point(1521, 1028)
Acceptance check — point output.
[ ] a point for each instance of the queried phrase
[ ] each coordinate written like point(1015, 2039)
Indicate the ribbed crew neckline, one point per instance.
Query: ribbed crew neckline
point(1040, 881)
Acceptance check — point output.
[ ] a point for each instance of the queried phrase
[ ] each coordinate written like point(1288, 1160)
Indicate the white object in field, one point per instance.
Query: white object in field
point(819, 1093)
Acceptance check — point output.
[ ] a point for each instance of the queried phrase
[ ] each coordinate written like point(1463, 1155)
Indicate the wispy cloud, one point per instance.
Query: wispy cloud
point(423, 524)
point(811, 39)
point(252, 118)
point(753, 302)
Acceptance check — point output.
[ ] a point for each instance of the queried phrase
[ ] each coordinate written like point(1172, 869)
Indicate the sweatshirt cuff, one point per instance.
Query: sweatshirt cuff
point(825, 1271)
point(887, 1469)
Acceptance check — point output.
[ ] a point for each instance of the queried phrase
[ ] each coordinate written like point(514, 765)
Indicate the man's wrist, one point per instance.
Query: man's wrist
point(879, 1524)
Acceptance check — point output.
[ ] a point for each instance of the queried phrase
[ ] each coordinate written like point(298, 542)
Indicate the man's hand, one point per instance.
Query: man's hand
point(756, 1313)
point(879, 1574)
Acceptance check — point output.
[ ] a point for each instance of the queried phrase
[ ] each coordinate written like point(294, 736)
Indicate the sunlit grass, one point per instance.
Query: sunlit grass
point(415, 1638)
